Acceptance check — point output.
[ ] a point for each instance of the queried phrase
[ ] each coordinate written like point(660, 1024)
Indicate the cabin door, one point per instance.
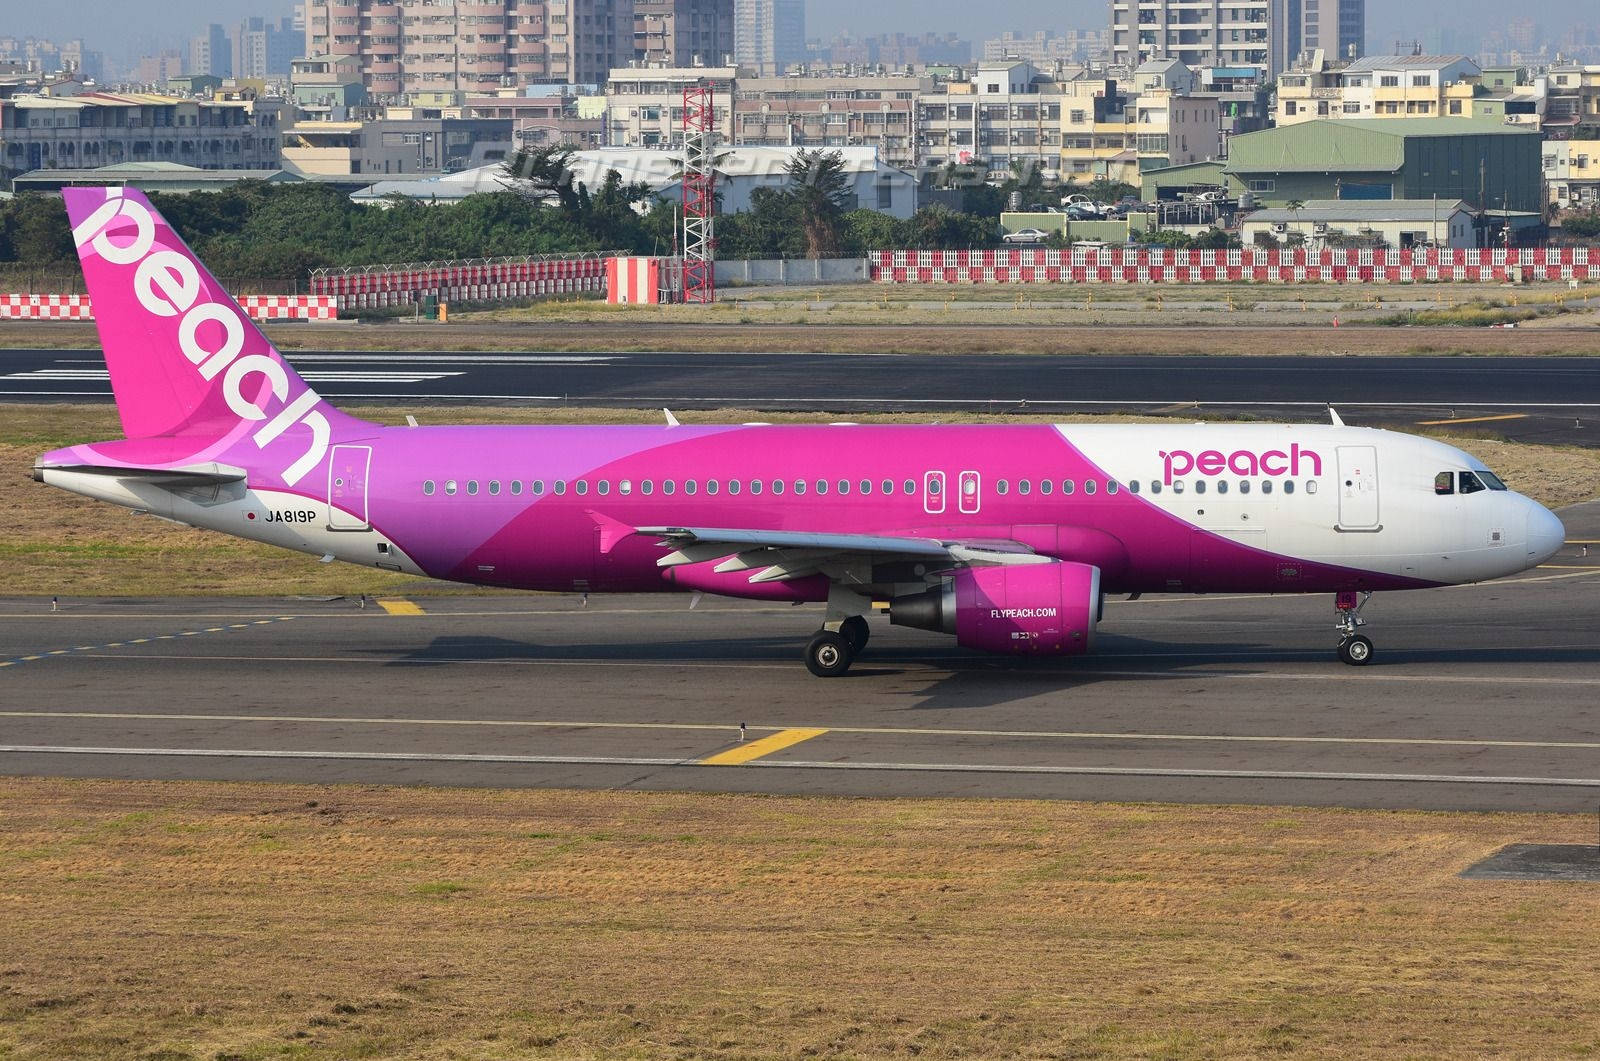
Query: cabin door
point(1358, 488)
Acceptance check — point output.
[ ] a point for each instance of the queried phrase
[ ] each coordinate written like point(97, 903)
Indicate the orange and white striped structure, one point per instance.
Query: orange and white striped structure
point(259, 307)
point(641, 281)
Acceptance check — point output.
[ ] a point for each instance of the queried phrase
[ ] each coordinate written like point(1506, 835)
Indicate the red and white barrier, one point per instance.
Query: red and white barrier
point(1116, 265)
point(45, 307)
point(259, 307)
point(640, 281)
point(487, 281)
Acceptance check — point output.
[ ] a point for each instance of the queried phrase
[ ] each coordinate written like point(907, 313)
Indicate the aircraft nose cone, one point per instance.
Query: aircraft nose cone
point(1546, 533)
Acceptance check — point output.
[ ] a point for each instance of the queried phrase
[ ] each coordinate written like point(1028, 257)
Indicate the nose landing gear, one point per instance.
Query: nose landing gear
point(1354, 648)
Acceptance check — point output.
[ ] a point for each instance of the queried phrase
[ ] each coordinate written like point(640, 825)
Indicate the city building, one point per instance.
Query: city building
point(41, 56)
point(769, 36)
point(1399, 223)
point(472, 47)
point(1338, 27)
point(828, 111)
point(154, 71)
point(1005, 114)
point(644, 105)
point(545, 120)
point(1244, 99)
point(263, 50)
point(683, 32)
point(1379, 86)
point(326, 86)
point(97, 129)
point(1258, 33)
point(1096, 140)
point(892, 51)
point(1572, 173)
point(1044, 47)
point(172, 178)
point(1172, 129)
point(211, 53)
point(1572, 108)
point(395, 145)
point(1490, 166)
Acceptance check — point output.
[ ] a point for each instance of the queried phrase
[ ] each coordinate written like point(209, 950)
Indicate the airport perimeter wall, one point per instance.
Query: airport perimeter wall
point(79, 308)
point(485, 280)
point(1116, 265)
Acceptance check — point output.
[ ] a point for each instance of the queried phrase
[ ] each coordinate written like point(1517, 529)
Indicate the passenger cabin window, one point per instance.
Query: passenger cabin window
point(1024, 487)
point(1222, 486)
point(866, 486)
point(450, 487)
point(494, 487)
point(1470, 483)
point(888, 486)
point(1002, 486)
point(472, 487)
point(516, 487)
point(799, 487)
point(1266, 486)
point(1444, 483)
point(1288, 486)
point(427, 488)
point(755, 486)
point(909, 487)
point(1067, 486)
point(1089, 486)
point(560, 487)
point(822, 486)
point(1046, 485)
point(1311, 486)
point(1133, 486)
point(1199, 486)
point(711, 487)
point(844, 486)
point(583, 487)
point(1111, 486)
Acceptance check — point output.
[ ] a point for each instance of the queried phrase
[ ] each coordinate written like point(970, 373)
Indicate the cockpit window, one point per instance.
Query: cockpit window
point(1491, 480)
point(1444, 483)
point(1470, 483)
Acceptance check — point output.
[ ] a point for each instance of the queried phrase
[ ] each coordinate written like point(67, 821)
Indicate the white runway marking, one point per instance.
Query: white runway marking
point(927, 664)
point(781, 764)
point(890, 731)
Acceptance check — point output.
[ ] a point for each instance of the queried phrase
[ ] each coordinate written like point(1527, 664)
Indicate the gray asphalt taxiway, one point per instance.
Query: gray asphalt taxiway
point(1479, 697)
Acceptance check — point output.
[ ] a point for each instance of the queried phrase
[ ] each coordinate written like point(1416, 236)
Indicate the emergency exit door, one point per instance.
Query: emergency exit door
point(1358, 488)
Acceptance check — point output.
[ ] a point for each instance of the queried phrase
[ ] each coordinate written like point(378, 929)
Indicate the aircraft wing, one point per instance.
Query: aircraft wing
point(775, 556)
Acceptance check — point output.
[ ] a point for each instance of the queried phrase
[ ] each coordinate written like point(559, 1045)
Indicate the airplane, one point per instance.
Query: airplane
point(1009, 537)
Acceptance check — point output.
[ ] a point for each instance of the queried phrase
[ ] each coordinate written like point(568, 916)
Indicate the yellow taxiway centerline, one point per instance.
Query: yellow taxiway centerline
point(1473, 419)
point(756, 749)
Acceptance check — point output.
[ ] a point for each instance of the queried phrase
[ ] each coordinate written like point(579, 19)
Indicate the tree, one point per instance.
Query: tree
point(40, 235)
point(1106, 190)
point(538, 173)
point(1584, 224)
point(821, 190)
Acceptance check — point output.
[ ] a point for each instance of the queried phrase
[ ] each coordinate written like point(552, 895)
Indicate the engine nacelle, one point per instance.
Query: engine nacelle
point(1024, 609)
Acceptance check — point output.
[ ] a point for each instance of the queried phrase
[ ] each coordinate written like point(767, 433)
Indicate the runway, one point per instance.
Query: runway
point(1481, 698)
point(1530, 399)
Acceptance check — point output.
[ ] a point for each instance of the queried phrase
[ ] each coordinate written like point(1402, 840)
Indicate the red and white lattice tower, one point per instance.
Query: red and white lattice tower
point(699, 195)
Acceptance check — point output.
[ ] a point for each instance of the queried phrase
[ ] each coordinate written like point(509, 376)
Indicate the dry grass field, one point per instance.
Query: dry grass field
point(1243, 323)
point(56, 543)
point(232, 921)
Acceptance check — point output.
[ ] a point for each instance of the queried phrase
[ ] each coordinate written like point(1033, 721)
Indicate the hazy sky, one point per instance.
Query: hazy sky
point(122, 26)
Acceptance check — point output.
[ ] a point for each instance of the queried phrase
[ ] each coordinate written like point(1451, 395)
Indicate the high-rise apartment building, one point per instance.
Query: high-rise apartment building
point(769, 36)
point(263, 49)
point(683, 32)
point(1338, 27)
point(211, 53)
point(1264, 34)
point(473, 45)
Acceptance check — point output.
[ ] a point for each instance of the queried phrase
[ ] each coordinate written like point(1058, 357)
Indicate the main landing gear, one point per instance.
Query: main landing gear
point(831, 652)
point(1354, 649)
point(843, 635)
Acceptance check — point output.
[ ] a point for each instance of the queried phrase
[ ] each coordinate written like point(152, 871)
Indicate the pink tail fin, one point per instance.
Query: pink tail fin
point(185, 360)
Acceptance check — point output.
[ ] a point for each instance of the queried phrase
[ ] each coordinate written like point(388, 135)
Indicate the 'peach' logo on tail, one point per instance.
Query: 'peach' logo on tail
point(167, 283)
point(1245, 462)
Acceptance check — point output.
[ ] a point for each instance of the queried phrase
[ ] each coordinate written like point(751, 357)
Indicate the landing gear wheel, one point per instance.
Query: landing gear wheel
point(856, 631)
point(1356, 651)
point(829, 655)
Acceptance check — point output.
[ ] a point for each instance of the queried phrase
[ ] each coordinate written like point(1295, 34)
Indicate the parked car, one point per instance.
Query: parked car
point(1085, 212)
point(1025, 235)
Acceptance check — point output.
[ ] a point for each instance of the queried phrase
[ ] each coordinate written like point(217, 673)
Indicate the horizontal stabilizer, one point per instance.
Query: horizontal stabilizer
point(207, 474)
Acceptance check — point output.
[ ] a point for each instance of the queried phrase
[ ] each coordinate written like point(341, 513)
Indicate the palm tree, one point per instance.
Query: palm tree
point(820, 189)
